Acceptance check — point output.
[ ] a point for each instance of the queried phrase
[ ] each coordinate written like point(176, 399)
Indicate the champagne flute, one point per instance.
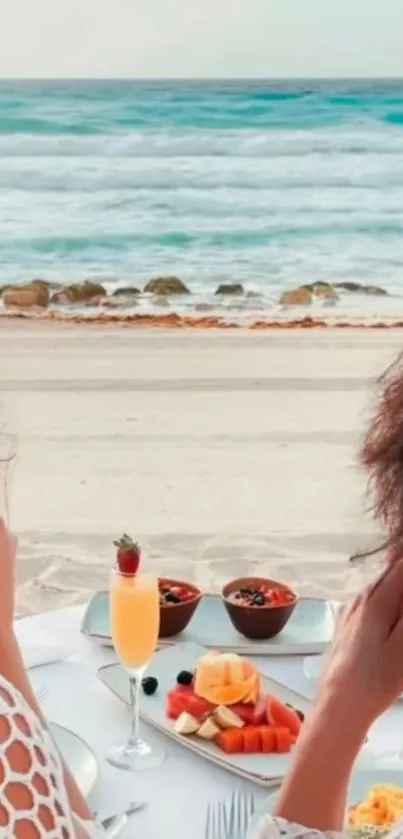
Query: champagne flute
point(135, 619)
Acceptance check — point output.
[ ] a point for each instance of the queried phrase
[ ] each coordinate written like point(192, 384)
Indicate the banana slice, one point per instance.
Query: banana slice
point(186, 724)
point(208, 730)
point(226, 718)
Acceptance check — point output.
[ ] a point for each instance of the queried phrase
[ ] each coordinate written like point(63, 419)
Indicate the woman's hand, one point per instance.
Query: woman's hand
point(364, 675)
point(8, 550)
point(365, 666)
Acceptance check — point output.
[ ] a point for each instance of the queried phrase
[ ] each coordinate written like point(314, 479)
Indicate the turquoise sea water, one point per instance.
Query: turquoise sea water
point(270, 184)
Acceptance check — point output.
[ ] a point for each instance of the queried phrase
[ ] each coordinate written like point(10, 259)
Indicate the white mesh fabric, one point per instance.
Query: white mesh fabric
point(271, 827)
point(91, 830)
point(274, 828)
point(33, 798)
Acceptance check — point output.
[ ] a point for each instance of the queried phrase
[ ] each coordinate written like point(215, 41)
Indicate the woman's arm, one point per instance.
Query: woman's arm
point(315, 790)
point(13, 670)
point(363, 677)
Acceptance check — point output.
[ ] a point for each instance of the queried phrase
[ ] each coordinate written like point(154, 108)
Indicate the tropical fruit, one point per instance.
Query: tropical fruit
point(278, 714)
point(251, 714)
point(253, 696)
point(227, 694)
point(226, 679)
point(263, 739)
point(251, 740)
point(267, 739)
point(183, 699)
point(230, 741)
point(283, 739)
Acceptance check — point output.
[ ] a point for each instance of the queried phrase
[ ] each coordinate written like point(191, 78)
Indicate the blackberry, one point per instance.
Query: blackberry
point(185, 677)
point(259, 600)
point(172, 598)
point(149, 685)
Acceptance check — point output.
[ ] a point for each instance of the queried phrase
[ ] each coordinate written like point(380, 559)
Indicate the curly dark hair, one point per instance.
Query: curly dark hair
point(381, 455)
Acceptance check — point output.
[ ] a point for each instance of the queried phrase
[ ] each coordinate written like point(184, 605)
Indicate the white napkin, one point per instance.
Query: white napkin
point(35, 655)
point(38, 650)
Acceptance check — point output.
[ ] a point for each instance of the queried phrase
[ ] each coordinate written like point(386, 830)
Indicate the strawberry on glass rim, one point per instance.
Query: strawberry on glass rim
point(128, 555)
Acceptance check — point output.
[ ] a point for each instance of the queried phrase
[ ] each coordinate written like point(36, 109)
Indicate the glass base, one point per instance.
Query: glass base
point(136, 756)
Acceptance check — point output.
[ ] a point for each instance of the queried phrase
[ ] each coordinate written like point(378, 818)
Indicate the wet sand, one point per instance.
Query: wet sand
point(223, 452)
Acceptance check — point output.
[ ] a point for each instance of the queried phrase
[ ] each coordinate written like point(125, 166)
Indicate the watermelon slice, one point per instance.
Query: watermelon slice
point(278, 714)
point(251, 714)
point(183, 699)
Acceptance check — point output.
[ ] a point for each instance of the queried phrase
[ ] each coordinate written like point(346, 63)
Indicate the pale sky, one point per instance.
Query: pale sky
point(200, 38)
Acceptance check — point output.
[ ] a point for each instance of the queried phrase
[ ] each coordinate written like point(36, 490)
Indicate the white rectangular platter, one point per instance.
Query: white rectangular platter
point(166, 664)
point(309, 630)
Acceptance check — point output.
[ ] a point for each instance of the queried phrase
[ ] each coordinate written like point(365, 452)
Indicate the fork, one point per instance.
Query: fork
point(113, 825)
point(42, 693)
point(230, 820)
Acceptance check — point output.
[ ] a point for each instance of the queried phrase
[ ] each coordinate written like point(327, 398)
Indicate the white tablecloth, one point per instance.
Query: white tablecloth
point(178, 791)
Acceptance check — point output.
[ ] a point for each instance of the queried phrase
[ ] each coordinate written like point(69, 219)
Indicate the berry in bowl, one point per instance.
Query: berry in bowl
point(258, 608)
point(178, 603)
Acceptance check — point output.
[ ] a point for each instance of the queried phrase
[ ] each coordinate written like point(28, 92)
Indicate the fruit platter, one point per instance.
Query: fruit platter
point(251, 615)
point(220, 706)
point(222, 701)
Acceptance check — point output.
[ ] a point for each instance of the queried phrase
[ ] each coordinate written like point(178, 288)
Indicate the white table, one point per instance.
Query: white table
point(178, 790)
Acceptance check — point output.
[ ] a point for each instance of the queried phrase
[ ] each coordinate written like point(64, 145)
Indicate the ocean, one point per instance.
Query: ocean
point(270, 184)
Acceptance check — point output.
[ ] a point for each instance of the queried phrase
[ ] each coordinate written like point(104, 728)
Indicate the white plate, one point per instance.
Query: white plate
point(261, 769)
point(361, 782)
point(78, 757)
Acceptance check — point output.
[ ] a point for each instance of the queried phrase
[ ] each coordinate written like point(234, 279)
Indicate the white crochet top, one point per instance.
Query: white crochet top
point(33, 797)
point(271, 827)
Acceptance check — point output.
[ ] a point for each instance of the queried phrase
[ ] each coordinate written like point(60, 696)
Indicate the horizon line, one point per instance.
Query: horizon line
point(198, 79)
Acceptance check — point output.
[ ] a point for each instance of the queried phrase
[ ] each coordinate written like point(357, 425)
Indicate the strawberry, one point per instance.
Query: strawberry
point(128, 555)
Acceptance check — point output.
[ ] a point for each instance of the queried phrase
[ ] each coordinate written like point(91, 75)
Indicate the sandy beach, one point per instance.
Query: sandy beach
point(222, 452)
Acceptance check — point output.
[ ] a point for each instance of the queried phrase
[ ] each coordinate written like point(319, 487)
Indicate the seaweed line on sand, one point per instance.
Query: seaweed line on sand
point(176, 321)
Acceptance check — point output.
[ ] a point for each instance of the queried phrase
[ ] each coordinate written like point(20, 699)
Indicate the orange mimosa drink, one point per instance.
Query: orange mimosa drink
point(135, 618)
point(135, 621)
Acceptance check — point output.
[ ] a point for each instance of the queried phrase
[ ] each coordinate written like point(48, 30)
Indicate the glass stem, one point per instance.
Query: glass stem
point(135, 684)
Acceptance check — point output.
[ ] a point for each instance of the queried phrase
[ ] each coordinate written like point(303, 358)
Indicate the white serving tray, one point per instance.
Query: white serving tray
point(308, 632)
point(166, 664)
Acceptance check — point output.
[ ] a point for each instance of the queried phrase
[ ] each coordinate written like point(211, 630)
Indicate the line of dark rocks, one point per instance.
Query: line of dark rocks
point(41, 294)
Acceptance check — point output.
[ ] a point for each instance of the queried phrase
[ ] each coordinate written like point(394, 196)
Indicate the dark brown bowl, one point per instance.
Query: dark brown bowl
point(175, 618)
point(257, 622)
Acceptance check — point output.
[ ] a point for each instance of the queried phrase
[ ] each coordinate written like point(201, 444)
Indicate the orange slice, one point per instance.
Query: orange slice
point(226, 680)
point(253, 696)
point(227, 694)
